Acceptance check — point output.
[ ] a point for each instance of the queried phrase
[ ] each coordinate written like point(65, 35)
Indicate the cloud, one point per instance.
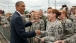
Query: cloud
point(9, 5)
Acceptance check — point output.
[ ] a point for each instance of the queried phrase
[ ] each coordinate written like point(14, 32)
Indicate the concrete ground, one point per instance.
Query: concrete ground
point(2, 39)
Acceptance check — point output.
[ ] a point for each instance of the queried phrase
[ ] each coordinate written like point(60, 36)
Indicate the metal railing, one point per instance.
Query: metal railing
point(5, 32)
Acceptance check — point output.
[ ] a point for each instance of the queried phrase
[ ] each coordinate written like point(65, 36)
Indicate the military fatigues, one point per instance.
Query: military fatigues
point(68, 30)
point(38, 25)
point(72, 39)
point(44, 18)
point(2, 19)
point(7, 19)
point(71, 17)
point(27, 29)
point(54, 31)
point(74, 24)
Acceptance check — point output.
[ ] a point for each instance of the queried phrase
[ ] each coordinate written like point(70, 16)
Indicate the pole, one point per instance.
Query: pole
point(48, 3)
point(55, 4)
point(8, 6)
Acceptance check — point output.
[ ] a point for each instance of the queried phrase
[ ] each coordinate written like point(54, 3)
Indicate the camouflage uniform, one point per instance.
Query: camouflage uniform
point(68, 31)
point(71, 17)
point(44, 18)
point(72, 39)
point(38, 25)
point(54, 31)
point(74, 24)
point(7, 23)
point(3, 19)
point(28, 29)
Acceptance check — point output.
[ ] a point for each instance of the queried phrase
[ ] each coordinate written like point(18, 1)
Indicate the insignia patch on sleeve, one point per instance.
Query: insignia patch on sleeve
point(70, 25)
point(59, 30)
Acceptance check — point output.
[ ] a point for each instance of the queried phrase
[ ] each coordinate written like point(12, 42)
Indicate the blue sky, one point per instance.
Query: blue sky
point(9, 5)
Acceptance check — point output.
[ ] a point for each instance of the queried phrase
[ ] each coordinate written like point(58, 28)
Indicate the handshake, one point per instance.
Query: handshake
point(38, 32)
point(43, 40)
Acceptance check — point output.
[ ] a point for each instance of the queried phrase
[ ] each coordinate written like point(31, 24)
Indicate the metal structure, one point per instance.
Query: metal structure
point(55, 4)
point(48, 3)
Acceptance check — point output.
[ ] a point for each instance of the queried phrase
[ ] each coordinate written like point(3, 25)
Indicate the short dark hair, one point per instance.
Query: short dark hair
point(49, 7)
point(18, 3)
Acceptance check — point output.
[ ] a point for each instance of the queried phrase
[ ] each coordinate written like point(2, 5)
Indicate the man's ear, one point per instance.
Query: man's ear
point(16, 6)
point(54, 14)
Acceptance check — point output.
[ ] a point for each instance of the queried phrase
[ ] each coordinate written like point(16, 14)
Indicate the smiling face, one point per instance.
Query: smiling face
point(21, 7)
point(51, 15)
point(63, 14)
point(36, 15)
point(75, 14)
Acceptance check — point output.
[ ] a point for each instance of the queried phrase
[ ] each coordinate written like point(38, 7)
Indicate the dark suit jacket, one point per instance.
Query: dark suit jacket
point(18, 34)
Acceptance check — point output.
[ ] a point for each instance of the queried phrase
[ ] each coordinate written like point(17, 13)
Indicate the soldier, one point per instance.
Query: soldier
point(68, 28)
point(28, 29)
point(73, 38)
point(74, 21)
point(2, 19)
point(38, 25)
point(72, 14)
point(7, 19)
point(42, 17)
point(54, 30)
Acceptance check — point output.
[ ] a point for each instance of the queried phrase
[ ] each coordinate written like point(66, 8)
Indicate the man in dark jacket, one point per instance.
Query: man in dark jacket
point(18, 34)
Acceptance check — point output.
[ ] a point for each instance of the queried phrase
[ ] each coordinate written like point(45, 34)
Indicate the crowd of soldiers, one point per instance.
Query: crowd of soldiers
point(54, 24)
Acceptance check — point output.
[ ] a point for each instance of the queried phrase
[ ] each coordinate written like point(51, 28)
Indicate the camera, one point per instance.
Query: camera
point(28, 16)
point(64, 5)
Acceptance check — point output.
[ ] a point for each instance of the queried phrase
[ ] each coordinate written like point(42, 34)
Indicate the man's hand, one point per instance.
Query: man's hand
point(1, 22)
point(36, 39)
point(33, 21)
point(4, 26)
point(59, 41)
point(38, 32)
point(42, 40)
